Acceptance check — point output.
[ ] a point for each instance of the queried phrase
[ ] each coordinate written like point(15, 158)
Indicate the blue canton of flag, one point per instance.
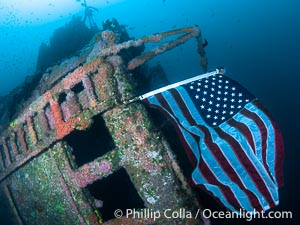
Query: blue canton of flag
point(233, 144)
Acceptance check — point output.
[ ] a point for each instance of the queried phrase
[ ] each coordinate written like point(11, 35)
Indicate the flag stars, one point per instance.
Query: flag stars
point(217, 99)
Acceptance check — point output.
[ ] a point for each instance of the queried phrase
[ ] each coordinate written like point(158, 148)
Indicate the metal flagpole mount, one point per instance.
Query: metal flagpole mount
point(219, 70)
point(135, 99)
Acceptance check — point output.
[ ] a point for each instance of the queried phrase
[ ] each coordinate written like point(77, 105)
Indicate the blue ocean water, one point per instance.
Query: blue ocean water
point(256, 41)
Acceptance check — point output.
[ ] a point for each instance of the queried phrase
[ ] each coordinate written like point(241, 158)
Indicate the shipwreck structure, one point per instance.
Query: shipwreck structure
point(79, 149)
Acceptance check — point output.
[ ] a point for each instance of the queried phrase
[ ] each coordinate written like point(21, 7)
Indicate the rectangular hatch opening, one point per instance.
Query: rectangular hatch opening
point(91, 143)
point(116, 192)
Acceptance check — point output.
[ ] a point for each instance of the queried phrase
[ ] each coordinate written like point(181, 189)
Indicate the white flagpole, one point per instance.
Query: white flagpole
point(217, 71)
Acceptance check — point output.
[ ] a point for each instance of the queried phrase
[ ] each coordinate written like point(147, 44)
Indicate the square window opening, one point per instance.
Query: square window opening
point(116, 192)
point(92, 143)
point(77, 88)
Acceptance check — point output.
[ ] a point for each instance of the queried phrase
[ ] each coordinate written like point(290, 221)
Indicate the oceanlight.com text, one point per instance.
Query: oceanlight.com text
point(248, 216)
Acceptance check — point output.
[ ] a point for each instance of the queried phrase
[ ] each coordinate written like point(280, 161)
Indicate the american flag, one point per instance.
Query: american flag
point(233, 144)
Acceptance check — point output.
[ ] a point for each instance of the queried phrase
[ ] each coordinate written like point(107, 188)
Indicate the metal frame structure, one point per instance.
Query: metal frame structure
point(40, 181)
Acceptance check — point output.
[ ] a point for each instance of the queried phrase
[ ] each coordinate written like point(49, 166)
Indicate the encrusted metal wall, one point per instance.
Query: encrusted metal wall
point(40, 180)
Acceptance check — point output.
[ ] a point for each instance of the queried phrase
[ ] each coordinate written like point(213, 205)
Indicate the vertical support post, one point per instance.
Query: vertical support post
point(87, 83)
point(43, 122)
point(13, 145)
point(72, 103)
point(1, 158)
point(7, 160)
point(201, 51)
point(57, 113)
point(31, 130)
point(21, 137)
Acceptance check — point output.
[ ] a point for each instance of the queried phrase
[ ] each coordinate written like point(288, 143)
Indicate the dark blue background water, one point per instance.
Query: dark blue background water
point(257, 41)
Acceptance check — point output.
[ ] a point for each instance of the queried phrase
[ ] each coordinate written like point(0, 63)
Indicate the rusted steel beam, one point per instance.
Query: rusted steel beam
point(95, 170)
point(134, 63)
point(189, 32)
point(158, 37)
point(115, 49)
